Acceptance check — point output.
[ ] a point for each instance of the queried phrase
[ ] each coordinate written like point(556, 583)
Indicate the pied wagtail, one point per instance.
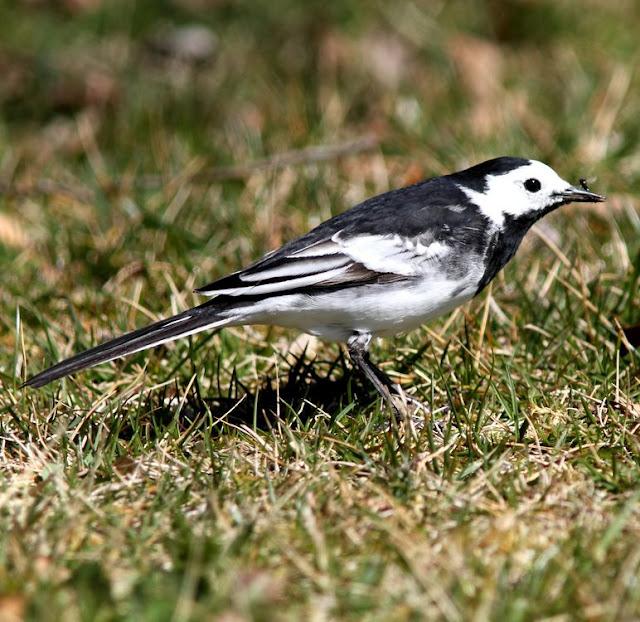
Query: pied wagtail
point(387, 265)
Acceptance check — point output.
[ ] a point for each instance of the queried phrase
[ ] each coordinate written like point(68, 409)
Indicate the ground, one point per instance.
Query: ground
point(245, 475)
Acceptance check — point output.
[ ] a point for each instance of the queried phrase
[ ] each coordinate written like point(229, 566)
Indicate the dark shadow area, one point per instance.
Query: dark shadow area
point(307, 387)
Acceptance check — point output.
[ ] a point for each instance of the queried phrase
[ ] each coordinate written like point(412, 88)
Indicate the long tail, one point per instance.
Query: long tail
point(207, 315)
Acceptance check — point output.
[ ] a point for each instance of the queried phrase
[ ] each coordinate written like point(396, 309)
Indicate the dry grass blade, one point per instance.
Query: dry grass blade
point(13, 233)
point(297, 157)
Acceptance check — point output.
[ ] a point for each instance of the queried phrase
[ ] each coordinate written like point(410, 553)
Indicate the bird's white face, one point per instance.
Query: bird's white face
point(530, 190)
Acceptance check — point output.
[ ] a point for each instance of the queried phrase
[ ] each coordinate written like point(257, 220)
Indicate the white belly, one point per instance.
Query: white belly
point(377, 309)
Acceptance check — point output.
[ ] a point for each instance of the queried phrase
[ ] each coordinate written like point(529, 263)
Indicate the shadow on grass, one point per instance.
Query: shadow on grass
point(309, 387)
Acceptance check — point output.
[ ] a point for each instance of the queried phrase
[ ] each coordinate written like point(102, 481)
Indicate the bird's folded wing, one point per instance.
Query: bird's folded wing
point(334, 261)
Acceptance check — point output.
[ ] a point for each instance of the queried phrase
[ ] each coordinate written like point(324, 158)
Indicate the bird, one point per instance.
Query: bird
point(386, 266)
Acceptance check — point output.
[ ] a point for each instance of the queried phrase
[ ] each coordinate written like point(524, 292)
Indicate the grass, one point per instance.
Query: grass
point(238, 475)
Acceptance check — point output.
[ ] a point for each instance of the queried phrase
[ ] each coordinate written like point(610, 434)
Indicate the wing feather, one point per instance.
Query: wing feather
point(333, 261)
point(292, 269)
point(282, 285)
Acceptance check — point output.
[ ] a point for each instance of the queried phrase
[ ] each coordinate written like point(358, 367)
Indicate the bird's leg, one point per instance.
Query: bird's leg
point(384, 378)
point(358, 345)
point(394, 388)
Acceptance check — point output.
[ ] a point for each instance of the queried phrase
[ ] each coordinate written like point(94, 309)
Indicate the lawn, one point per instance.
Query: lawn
point(147, 148)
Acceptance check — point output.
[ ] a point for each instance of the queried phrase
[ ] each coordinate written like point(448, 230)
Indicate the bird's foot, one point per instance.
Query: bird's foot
point(413, 412)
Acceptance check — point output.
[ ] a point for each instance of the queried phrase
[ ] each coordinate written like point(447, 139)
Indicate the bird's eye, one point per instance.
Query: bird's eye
point(532, 185)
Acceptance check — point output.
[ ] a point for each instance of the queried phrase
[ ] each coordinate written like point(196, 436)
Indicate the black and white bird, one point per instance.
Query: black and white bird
point(387, 265)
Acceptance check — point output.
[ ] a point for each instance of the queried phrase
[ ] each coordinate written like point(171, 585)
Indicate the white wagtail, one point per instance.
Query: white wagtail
point(387, 265)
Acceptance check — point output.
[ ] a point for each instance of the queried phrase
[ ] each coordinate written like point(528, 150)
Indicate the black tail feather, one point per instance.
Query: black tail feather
point(186, 323)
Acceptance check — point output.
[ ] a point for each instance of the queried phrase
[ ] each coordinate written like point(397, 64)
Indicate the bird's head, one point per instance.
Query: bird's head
point(518, 188)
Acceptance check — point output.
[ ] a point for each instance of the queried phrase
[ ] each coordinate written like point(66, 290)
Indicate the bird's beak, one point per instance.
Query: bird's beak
point(579, 195)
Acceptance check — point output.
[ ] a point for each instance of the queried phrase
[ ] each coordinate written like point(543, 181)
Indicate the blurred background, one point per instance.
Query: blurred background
point(149, 146)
